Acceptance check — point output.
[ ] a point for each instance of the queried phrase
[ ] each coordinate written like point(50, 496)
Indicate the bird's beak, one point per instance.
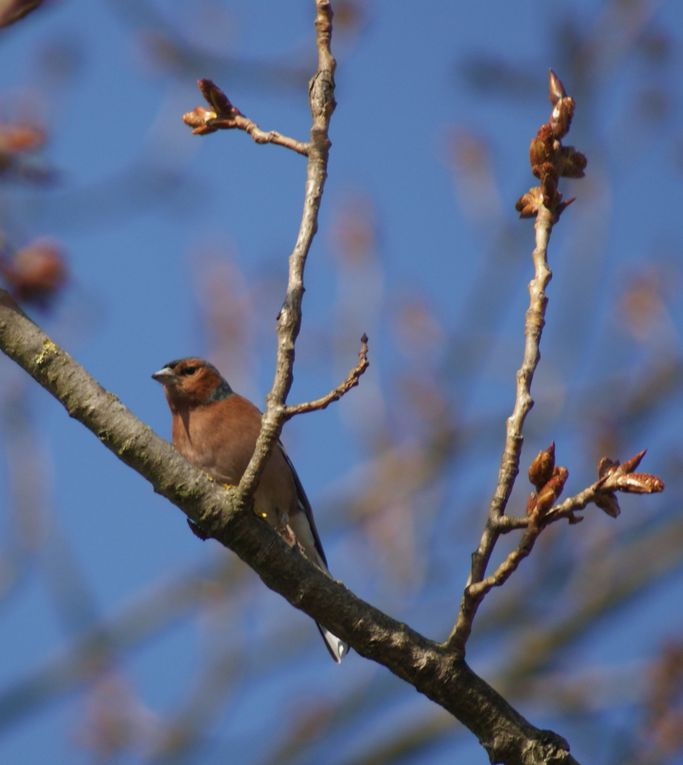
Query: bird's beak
point(165, 375)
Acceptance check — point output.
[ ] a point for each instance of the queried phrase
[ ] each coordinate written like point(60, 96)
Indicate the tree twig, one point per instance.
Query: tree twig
point(322, 103)
point(352, 379)
point(509, 464)
point(224, 115)
point(549, 160)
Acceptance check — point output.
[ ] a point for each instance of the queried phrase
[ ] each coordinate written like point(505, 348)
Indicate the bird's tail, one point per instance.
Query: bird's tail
point(303, 525)
point(336, 646)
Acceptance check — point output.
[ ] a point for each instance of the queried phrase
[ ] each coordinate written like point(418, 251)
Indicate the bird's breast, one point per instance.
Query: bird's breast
point(204, 441)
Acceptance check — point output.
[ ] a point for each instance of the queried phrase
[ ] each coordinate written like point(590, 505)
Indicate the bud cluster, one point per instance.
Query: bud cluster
point(549, 480)
point(614, 476)
point(549, 159)
point(202, 120)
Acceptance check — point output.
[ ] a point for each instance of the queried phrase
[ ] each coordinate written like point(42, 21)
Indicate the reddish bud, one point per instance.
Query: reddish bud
point(551, 491)
point(620, 477)
point(549, 159)
point(629, 465)
point(639, 483)
point(545, 500)
point(571, 163)
point(561, 117)
point(560, 475)
point(605, 465)
point(561, 206)
point(556, 89)
point(527, 205)
point(35, 273)
point(607, 501)
point(542, 466)
point(540, 149)
point(215, 97)
point(199, 119)
point(551, 197)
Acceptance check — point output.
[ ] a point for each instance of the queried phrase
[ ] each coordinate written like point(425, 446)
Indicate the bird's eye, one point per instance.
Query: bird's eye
point(188, 370)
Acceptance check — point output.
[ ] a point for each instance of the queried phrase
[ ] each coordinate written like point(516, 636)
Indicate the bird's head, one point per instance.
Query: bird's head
point(191, 382)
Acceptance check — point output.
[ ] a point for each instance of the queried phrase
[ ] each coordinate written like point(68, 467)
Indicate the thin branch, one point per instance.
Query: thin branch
point(478, 590)
point(571, 505)
point(507, 523)
point(509, 464)
point(352, 379)
point(224, 115)
point(566, 510)
point(549, 160)
point(241, 122)
point(533, 328)
point(322, 103)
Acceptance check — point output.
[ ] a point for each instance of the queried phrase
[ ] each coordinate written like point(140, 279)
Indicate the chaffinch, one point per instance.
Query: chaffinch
point(216, 429)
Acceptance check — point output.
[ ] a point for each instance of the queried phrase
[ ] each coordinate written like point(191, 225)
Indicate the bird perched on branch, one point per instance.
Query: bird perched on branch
point(216, 429)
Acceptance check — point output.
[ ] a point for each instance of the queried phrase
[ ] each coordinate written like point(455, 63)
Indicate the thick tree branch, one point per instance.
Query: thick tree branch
point(428, 666)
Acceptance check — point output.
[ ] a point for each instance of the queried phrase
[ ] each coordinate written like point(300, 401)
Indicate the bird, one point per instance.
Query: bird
point(216, 429)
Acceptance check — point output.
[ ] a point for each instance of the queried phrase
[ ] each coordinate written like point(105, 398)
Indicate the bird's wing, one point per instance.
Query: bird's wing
point(304, 505)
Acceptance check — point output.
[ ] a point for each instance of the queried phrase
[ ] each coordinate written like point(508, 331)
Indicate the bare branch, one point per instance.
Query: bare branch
point(549, 160)
point(533, 327)
point(352, 379)
point(322, 103)
point(224, 115)
point(509, 465)
point(478, 590)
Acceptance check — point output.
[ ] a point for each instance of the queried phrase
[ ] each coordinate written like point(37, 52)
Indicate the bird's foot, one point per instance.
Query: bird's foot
point(287, 533)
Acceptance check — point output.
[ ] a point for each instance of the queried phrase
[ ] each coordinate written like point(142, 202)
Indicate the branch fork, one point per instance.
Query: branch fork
point(550, 161)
